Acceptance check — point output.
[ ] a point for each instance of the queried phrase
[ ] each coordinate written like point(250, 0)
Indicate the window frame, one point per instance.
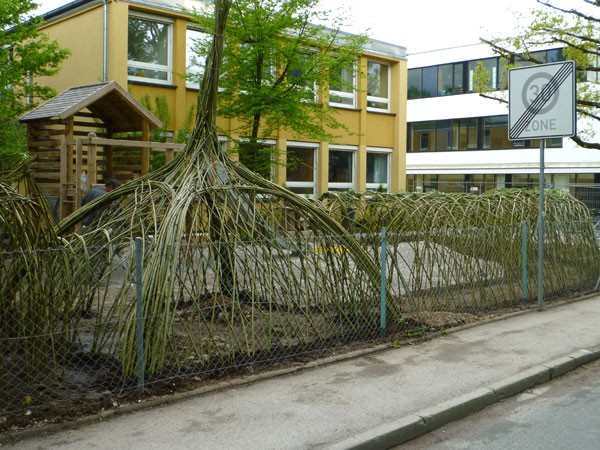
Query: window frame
point(168, 68)
point(375, 99)
point(341, 186)
point(379, 151)
point(304, 184)
point(344, 94)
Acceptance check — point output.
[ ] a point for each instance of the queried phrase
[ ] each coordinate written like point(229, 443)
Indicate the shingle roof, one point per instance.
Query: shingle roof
point(108, 101)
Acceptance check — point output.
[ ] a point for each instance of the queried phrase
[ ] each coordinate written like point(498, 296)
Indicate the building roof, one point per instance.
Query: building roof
point(118, 109)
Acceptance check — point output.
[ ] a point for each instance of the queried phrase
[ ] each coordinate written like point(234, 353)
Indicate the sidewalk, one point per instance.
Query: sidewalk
point(371, 401)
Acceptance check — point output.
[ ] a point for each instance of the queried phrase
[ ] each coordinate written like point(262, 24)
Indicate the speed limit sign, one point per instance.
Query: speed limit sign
point(541, 101)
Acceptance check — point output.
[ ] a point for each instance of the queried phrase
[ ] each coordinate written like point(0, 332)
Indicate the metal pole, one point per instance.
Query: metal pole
point(524, 260)
point(540, 303)
point(383, 318)
point(139, 314)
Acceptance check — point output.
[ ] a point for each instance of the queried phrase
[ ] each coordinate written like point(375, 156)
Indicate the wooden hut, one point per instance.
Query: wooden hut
point(86, 135)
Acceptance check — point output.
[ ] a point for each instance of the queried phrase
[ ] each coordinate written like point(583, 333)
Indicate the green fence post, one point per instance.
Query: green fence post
point(524, 260)
point(139, 313)
point(382, 316)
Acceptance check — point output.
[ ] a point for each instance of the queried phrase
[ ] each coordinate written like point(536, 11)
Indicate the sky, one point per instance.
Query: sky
point(418, 25)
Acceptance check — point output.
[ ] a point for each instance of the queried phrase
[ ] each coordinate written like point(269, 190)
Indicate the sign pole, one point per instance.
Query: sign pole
point(542, 104)
point(540, 284)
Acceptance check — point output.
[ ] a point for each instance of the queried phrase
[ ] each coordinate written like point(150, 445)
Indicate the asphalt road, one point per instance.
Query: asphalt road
point(562, 414)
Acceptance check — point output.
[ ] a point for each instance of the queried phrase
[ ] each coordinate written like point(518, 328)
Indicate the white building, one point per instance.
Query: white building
point(458, 140)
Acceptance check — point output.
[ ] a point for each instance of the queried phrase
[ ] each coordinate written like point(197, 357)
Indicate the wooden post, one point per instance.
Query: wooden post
point(78, 172)
point(145, 150)
point(92, 160)
point(170, 154)
point(63, 177)
point(108, 156)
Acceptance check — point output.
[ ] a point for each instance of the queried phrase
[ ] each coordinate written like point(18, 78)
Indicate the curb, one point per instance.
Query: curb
point(414, 425)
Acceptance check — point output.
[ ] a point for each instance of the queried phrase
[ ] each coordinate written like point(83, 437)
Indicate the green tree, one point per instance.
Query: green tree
point(277, 64)
point(25, 54)
point(577, 31)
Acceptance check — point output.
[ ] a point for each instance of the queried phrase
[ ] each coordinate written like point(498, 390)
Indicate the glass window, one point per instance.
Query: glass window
point(298, 76)
point(341, 169)
point(342, 87)
point(457, 87)
point(378, 86)
point(451, 183)
point(443, 135)
point(495, 133)
point(300, 173)
point(423, 136)
point(414, 83)
point(258, 157)
point(194, 59)
point(430, 183)
point(445, 79)
point(430, 81)
point(377, 171)
point(466, 134)
point(490, 70)
point(149, 49)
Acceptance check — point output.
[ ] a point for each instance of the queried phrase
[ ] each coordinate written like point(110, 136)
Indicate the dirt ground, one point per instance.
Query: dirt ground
point(69, 401)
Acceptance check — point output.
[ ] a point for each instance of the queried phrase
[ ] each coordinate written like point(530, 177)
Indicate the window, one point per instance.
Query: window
point(300, 76)
point(495, 133)
point(490, 69)
point(378, 162)
point(194, 60)
point(258, 157)
point(465, 134)
point(450, 79)
point(378, 86)
point(342, 87)
point(415, 85)
point(422, 136)
point(300, 177)
point(443, 135)
point(341, 168)
point(149, 49)
point(430, 77)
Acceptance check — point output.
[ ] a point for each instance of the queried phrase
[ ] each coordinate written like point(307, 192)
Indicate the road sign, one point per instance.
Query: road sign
point(541, 101)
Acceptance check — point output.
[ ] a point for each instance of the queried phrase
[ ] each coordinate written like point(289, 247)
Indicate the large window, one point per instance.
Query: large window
point(149, 49)
point(301, 158)
point(258, 157)
point(432, 81)
point(495, 133)
point(485, 68)
point(194, 60)
point(378, 86)
point(341, 168)
point(300, 76)
point(378, 162)
point(342, 87)
point(483, 133)
point(465, 134)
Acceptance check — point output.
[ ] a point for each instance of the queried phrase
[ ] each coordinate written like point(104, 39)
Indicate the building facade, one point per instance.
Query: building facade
point(146, 47)
point(458, 140)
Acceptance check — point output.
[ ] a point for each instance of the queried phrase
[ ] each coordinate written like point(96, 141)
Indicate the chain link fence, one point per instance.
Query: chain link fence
point(70, 347)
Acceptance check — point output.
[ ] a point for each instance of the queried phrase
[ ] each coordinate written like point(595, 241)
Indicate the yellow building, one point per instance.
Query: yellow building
point(372, 156)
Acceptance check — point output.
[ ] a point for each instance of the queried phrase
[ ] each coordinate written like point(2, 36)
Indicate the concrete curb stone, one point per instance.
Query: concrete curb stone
point(414, 425)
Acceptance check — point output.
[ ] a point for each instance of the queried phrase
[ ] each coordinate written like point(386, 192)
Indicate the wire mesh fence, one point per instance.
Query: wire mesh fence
point(86, 337)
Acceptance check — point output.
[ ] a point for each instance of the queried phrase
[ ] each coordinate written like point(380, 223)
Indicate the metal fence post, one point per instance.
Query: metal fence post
point(139, 313)
point(524, 260)
point(382, 316)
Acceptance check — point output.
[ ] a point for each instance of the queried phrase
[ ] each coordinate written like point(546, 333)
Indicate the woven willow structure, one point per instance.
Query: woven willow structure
point(462, 243)
point(227, 246)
